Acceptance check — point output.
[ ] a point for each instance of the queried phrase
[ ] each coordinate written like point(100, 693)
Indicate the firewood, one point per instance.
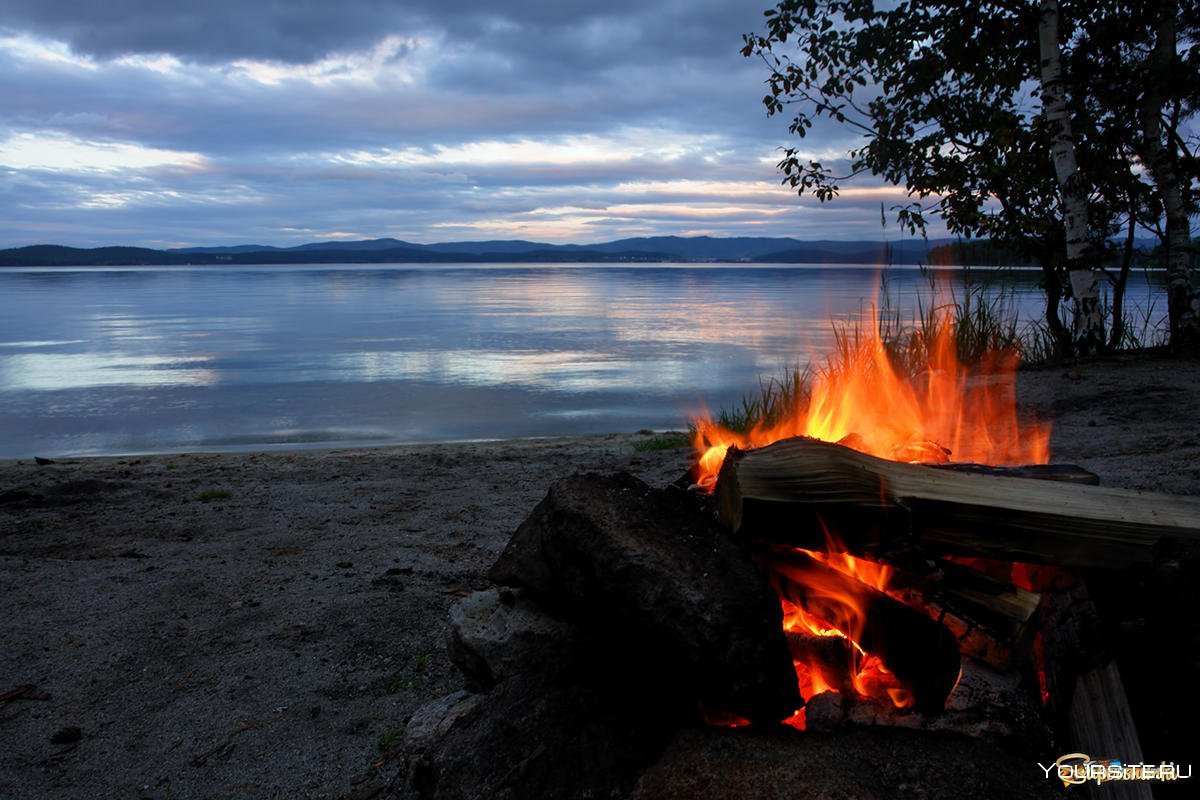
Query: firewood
point(1083, 689)
point(833, 653)
point(1067, 473)
point(920, 652)
point(991, 619)
point(790, 490)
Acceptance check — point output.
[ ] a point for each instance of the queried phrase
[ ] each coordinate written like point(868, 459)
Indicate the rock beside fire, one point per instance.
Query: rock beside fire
point(650, 571)
point(631, 609)
point(498, 633)
point(555, 711)
point(588, 735)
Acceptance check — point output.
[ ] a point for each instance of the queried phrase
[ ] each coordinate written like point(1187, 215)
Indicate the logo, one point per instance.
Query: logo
point(1078, 768)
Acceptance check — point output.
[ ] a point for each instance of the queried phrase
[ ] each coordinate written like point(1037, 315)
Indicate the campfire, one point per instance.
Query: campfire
point(895, 553)
point(946, 414)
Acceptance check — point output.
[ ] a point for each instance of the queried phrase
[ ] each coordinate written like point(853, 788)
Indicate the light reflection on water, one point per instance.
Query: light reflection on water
point(42, 372)
point(159, 359)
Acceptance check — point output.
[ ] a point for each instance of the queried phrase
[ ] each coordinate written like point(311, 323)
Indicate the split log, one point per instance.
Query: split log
point(790, 490)
point(920, 652)
point(1082, 687)
point(1066, 473)
point(992, 620)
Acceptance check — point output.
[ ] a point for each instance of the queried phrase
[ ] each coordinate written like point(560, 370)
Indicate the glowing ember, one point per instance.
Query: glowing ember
point(841, 614)
point(862, 401)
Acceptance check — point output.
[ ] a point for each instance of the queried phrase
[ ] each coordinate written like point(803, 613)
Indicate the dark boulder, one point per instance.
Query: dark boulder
point(649, 572)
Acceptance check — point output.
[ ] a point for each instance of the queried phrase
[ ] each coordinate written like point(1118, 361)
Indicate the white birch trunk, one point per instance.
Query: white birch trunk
point(1089, 323)
point(1160, 163)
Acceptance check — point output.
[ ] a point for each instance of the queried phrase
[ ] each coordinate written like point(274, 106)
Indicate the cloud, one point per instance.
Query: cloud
point(137, 121)
point(60, 153)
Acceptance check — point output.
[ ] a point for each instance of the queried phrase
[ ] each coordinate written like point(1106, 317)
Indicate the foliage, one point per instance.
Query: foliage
point(945, 99)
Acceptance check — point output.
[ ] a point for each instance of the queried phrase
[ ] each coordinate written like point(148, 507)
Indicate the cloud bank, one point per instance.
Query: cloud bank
point(163, 124)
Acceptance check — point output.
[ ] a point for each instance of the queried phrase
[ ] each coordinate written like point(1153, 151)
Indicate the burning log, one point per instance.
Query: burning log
point(991, 619)
point(782, 492)
point(920, 652)
point(833, 654)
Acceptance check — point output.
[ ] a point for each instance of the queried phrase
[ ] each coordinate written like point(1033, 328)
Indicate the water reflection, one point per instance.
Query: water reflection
point(168, 358)
point(59, 371)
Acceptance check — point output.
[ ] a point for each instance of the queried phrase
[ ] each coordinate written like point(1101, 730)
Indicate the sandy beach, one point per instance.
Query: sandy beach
point(263, 625)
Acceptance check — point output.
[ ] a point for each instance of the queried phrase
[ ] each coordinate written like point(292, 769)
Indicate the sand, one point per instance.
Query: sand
point(263, 625)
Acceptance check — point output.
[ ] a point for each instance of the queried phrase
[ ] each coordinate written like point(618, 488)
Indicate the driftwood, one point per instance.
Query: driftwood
point(920, 652)
point(789, 491)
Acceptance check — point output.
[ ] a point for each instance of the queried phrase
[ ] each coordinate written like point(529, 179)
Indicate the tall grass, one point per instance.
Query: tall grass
point(984, 320)
point(776, 398)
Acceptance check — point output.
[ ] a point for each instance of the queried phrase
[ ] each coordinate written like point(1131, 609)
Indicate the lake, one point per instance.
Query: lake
point(164, 359)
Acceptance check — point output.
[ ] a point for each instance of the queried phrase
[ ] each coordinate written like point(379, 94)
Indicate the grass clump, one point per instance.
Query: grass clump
point(388, 739)
point(669, 440)
point(208, 495)
point(776, 398)
point(981, 322)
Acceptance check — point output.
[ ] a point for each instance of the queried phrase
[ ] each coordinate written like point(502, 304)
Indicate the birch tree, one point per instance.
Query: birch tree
point(1089, 322)
point(970, 109)
point(1158, 151)
point(1139, 64)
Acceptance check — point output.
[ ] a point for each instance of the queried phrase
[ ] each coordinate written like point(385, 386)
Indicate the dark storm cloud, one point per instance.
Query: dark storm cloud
point(303, 31)
point(294, 31)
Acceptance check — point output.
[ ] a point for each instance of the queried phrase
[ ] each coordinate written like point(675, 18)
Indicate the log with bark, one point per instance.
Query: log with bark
point(794, 490)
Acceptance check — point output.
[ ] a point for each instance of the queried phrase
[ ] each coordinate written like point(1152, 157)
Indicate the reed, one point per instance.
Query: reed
point(984, 320)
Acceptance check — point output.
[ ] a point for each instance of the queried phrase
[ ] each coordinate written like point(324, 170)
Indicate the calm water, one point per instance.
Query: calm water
point(124, 360)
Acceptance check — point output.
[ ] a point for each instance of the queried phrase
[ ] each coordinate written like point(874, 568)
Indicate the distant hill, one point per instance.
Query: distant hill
point(241, 248)
point(53, 255)
point(650, 249)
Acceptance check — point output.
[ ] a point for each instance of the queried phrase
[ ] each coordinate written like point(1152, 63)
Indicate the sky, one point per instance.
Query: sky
point(280, 122)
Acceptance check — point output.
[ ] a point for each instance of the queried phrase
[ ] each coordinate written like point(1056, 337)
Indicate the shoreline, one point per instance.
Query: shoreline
point(325, 447)
point(241, 625)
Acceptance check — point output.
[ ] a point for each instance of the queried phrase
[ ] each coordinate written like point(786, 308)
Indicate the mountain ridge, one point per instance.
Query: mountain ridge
point(653, 249)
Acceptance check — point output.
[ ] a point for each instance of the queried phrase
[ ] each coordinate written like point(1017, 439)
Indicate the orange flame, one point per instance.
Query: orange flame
point(839, 613)
point(861, 400)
